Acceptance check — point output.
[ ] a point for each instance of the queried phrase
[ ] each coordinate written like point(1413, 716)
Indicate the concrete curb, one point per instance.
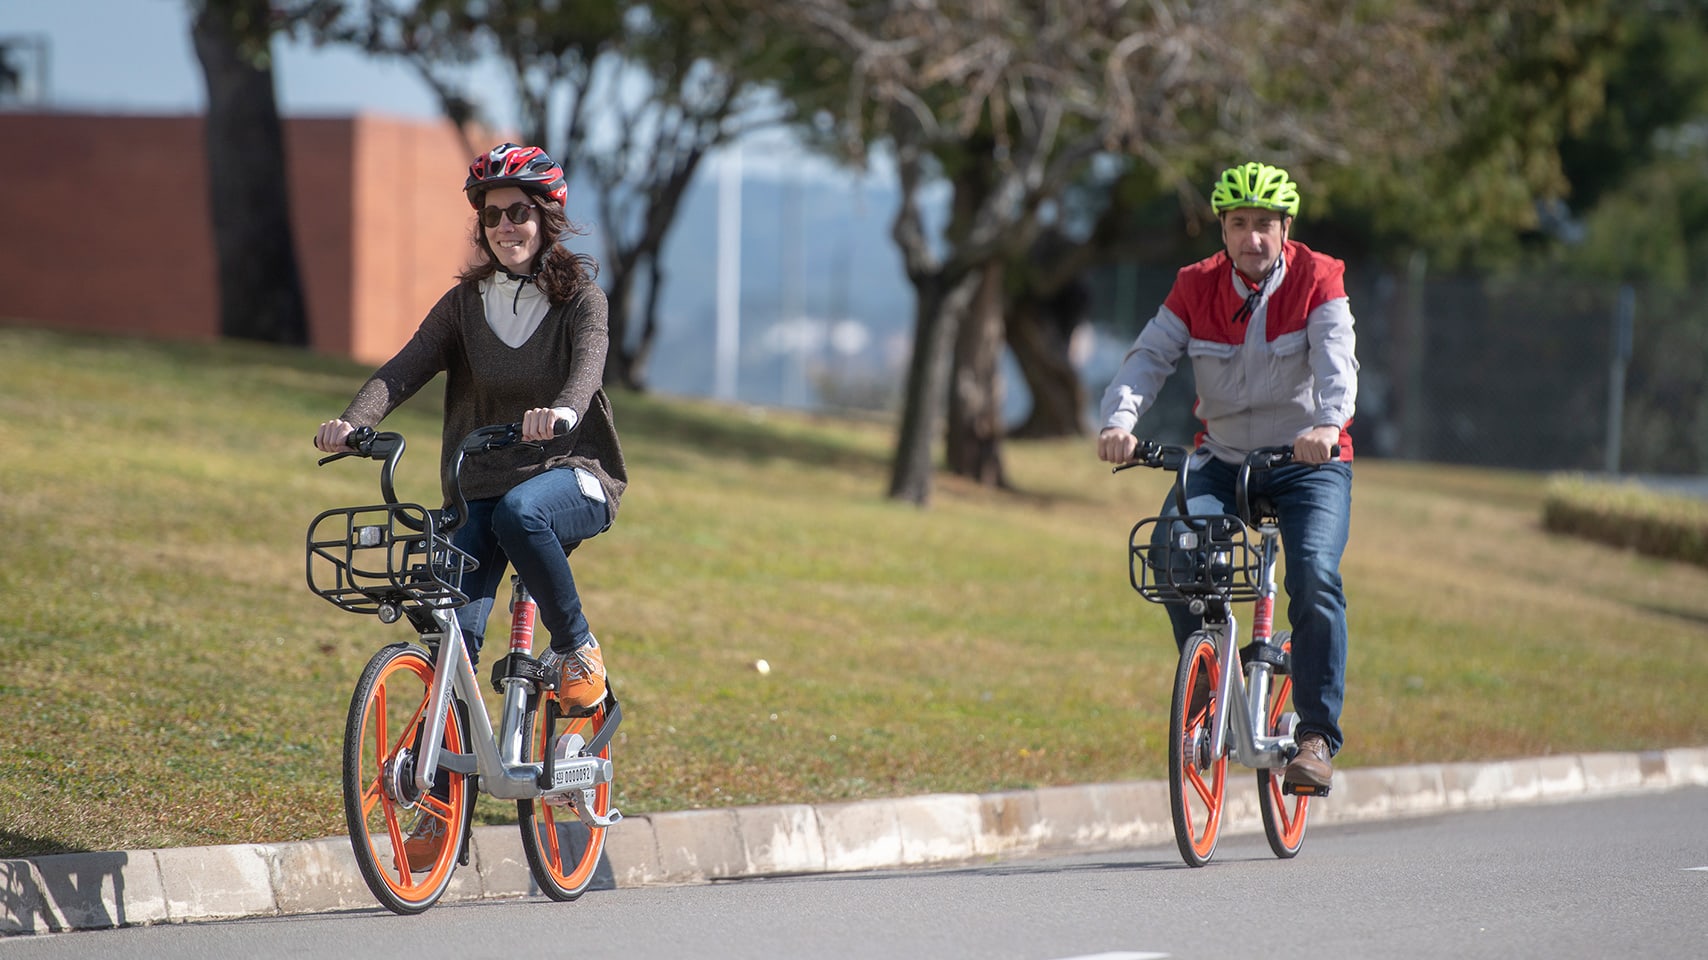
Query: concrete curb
point(99, 890)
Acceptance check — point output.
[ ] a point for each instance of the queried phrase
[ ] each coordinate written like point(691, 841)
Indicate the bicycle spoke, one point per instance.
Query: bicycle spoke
point(1204, 791)
point(380, 717)
point(438, 809)
point(547, 824)
point(1284, 815)
point(399, 859)
point(372, 794)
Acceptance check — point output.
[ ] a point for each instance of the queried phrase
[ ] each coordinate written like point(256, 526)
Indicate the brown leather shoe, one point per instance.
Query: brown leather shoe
point(1311, 766)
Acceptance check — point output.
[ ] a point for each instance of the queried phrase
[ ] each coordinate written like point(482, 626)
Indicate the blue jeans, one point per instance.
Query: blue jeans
point(533, 527)
point(1315, 508)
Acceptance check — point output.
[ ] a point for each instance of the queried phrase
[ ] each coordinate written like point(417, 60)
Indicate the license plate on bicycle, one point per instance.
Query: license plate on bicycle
point(572, 775)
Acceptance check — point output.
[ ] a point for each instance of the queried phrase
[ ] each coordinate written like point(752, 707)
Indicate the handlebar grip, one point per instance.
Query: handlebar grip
point(358, 437)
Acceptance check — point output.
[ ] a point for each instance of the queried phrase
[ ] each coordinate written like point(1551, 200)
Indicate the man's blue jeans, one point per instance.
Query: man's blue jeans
point(1315, 508)
point(533, 527)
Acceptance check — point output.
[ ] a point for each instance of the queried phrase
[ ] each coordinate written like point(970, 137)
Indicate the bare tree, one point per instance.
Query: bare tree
point(1011, 101)
point(629, 97)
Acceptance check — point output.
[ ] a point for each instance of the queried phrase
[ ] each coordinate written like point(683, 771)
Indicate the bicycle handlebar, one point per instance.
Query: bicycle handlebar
point(1168, 456)
point(387, 446)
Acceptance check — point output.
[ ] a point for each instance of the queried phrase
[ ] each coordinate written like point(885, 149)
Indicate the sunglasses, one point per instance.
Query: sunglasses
point(518, 212)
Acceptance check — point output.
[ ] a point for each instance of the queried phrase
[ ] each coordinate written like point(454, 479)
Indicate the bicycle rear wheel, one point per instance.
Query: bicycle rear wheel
point(1283, 815)
point(562, 852)
point(381, 804)
point(1197, 782)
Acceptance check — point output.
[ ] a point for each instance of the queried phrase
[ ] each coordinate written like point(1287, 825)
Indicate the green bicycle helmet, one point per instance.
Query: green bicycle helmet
point(1256, 185)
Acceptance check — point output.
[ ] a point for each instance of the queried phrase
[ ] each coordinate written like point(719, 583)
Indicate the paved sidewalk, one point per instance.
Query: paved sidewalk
point(97, 890)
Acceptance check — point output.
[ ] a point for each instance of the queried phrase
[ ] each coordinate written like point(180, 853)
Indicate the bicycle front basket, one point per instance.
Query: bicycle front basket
point(1201, 555)
point(362, 558)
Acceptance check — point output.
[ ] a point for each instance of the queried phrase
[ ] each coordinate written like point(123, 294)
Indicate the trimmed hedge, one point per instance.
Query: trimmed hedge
point(1628, 515)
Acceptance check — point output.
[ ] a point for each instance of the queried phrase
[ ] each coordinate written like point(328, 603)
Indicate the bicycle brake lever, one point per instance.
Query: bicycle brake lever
point(337, 456)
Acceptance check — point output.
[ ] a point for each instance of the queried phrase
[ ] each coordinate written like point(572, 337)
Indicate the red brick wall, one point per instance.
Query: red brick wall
point(106, 225)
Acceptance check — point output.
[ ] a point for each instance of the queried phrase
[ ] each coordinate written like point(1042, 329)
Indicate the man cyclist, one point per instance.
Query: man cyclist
point(1268, 328)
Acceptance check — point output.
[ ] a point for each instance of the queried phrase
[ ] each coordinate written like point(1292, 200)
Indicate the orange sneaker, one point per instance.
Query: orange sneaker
point(426, 840)
point(581, 676)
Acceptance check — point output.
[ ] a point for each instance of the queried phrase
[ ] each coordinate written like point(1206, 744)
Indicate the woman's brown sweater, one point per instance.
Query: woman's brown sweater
point(562, 364)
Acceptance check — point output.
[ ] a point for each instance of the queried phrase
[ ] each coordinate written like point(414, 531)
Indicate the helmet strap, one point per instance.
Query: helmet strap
point(1247, 308)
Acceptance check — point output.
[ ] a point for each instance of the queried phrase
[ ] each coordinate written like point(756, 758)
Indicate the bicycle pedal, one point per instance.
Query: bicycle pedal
point(1303, 789)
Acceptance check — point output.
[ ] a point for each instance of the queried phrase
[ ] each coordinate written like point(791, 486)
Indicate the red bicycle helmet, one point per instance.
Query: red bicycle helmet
point(510, 165)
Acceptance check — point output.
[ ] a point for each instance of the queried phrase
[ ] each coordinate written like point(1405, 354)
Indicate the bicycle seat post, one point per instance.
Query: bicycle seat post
point(524, 613)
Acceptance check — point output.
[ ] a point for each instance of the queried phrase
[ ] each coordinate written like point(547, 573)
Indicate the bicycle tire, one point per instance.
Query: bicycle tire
point(1284, 816)
point(563, 853)
point(381, 734)
point(1197, 783)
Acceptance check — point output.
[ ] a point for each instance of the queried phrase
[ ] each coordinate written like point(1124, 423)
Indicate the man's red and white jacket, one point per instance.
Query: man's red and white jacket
point(1263, 378)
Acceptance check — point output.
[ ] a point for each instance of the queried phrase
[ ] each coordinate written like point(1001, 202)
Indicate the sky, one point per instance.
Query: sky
point(134, 56)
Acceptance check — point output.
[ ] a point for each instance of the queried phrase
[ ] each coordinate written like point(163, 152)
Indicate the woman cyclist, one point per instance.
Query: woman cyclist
point(522, 337)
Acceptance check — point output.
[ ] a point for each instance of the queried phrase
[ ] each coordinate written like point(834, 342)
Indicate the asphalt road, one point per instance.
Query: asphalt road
point(1624, 876)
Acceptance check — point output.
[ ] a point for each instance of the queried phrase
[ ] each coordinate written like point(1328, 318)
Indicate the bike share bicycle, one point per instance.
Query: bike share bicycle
point(418, 744)
point(1226, 702)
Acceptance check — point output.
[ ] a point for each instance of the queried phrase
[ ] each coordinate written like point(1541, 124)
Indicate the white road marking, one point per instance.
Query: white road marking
point(1119, 955)
point(1704, 869)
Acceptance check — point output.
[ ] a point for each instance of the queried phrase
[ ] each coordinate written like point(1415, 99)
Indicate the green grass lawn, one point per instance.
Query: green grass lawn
point(171, 681)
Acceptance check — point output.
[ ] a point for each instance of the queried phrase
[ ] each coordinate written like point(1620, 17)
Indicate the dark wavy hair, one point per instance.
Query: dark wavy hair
point(559, 272)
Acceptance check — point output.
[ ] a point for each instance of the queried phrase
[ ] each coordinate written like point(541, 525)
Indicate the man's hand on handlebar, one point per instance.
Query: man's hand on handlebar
point(1115, 445)
point(1316, 445)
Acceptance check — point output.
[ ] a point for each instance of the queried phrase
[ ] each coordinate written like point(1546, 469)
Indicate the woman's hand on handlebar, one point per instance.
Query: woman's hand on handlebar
point(1115, 445)
point(331, 436)
point(542, 423)
point(1316, 445)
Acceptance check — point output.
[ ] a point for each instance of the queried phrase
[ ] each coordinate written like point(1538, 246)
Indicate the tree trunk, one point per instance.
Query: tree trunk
point(260, 293)
point(1040, 333)
point(637, 358)
point(940, 303)
point(619, 369)
point(973, 430)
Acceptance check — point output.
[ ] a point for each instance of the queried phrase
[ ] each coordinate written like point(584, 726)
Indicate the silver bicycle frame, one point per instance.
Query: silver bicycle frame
point(1248, 748)
point(498, 760)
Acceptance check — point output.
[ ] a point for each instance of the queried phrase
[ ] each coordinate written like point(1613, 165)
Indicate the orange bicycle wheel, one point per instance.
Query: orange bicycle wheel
point(1197, 782)
point(562, 852)
point(1283, 815)
point(390, 824)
